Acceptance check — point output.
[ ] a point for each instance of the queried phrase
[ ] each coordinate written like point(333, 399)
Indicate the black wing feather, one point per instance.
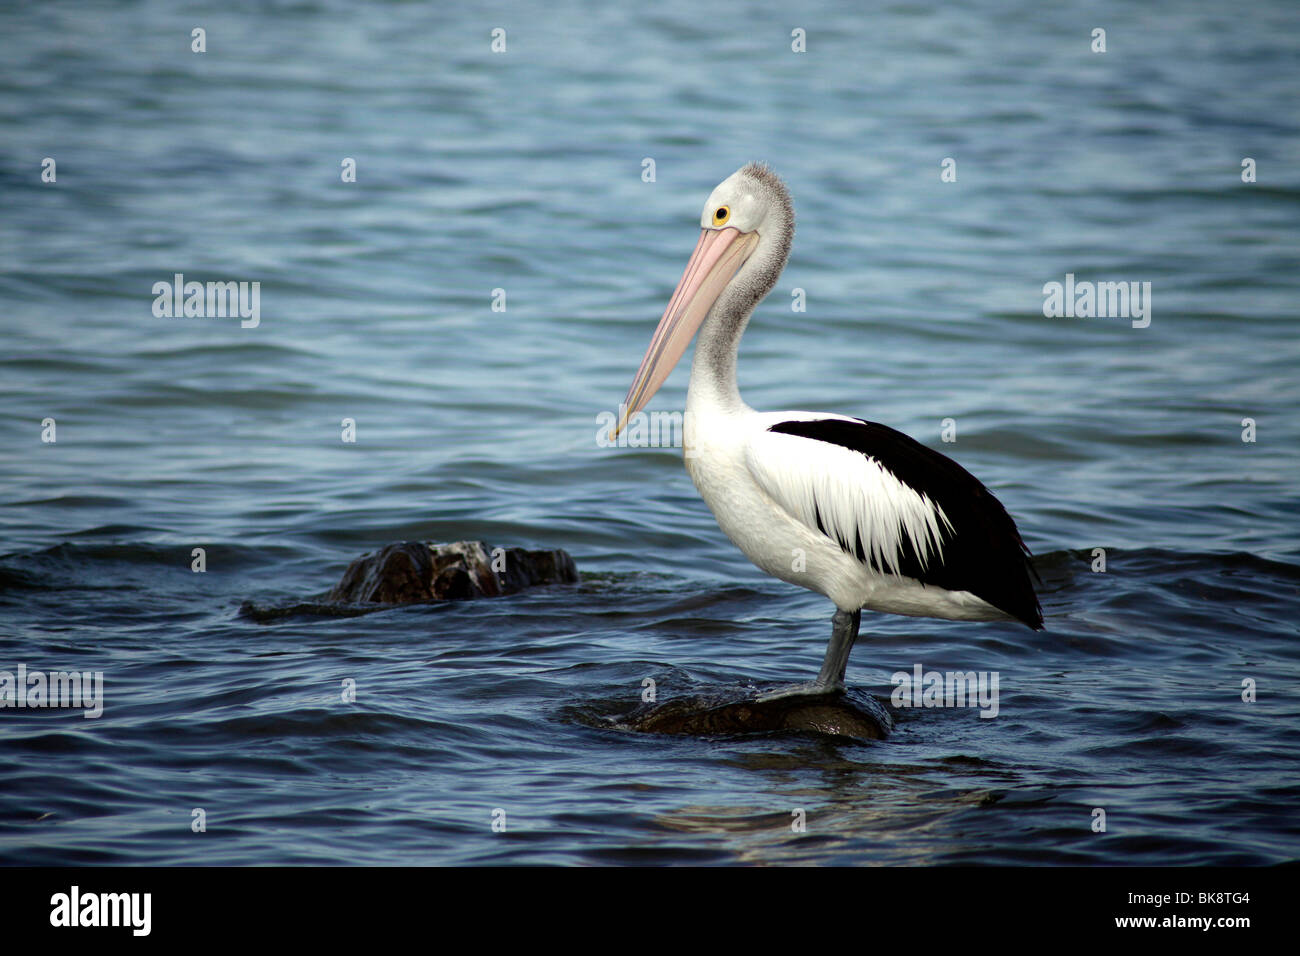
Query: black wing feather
point(982, 554)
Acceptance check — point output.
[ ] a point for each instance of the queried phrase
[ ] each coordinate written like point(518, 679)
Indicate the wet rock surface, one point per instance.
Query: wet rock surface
point(413, 571)
point(739, 711)
point(407, 572)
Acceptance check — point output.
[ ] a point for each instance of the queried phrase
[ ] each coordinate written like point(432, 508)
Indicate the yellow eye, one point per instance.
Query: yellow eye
point(721, 215)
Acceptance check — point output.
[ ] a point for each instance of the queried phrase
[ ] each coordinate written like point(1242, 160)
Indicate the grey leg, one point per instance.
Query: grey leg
point(844, 631)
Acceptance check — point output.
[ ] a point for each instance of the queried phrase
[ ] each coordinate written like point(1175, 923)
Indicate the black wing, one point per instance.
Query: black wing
point(982, 553)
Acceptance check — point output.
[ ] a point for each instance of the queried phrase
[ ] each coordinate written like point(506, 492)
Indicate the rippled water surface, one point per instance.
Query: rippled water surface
point(522, 171)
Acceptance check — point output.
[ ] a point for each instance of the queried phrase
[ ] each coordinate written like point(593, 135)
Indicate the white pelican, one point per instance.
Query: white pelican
point(848, 508)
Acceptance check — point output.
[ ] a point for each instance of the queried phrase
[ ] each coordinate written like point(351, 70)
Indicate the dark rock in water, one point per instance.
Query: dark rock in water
point(840, 715)
point(412, 571)
point(396, 574)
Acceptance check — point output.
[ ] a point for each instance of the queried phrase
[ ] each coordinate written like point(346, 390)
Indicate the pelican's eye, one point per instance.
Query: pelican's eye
point(721, 215)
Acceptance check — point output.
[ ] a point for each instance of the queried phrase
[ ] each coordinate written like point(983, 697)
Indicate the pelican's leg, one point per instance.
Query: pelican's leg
point(844, 632)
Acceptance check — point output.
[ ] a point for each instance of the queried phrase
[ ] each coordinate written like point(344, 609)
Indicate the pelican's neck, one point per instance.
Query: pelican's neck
point(713, 369)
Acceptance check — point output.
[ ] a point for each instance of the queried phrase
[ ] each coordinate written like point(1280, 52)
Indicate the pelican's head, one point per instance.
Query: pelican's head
point(746, 229)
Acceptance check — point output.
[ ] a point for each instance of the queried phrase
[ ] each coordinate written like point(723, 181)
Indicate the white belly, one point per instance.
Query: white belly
point(788, 549)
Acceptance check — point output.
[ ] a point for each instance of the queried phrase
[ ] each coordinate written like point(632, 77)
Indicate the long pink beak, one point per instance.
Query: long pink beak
point(717, 256)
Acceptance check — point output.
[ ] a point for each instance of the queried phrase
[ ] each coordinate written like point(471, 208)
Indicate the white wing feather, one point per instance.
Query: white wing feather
point(851, 492)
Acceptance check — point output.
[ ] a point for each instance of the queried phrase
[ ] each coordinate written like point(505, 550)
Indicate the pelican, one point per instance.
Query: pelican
point(851, 509)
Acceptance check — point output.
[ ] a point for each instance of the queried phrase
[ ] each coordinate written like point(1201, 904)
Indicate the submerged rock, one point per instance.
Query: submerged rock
point(413, 571)
point(741, 712)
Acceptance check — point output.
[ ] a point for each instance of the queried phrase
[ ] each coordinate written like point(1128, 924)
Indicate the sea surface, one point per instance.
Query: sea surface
point(525, 171)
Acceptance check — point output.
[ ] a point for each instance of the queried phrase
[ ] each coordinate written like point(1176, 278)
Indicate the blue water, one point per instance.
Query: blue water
point(522, 171)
